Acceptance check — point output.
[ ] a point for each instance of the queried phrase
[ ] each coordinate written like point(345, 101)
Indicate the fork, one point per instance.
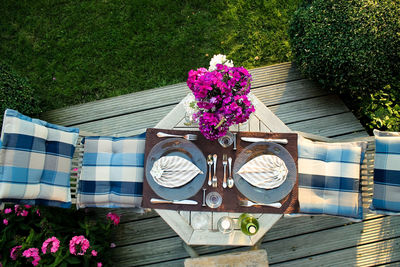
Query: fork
point(210, 163)
point(224, 162)
point(249, 203)
point(190, 137)
point(214, 179)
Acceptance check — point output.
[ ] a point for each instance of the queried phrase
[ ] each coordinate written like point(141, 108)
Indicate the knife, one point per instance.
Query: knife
point(162, 201)
point(256, 139)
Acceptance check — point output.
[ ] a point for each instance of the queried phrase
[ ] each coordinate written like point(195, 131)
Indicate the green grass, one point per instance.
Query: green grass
point(78, 51)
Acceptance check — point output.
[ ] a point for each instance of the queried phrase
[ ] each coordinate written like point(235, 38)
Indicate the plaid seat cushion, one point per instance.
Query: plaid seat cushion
point(386, 198)
point(112, 172)
point(329, 178)
point(35, 161)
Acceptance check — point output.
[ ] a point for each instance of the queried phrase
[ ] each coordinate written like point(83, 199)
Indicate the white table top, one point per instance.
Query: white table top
point(263, 120)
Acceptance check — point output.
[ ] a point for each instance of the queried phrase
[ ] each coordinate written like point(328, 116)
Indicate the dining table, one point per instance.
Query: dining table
point(186, 222)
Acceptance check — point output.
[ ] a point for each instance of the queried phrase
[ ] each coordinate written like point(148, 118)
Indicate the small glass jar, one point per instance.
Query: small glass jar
point(225, 225)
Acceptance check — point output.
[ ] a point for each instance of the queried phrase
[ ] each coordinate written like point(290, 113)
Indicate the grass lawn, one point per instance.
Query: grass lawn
point(78, 51)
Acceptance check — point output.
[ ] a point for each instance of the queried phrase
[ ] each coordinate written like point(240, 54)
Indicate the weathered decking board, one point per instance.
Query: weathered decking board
point(146, 240)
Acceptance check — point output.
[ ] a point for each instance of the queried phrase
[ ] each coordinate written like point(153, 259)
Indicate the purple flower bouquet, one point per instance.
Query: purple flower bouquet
point(221, 95)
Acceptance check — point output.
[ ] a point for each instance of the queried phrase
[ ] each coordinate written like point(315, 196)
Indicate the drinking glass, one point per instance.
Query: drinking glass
point(213, 200)
point(226, 140)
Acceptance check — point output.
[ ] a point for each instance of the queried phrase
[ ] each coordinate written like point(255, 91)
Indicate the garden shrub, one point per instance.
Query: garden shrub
point(351, 46)
point(382, 109)
point(15, 93)
point(54, 237)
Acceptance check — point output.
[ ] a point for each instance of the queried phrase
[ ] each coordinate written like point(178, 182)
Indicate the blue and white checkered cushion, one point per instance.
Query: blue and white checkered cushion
point(329, 178)
point(386, 198)
point(112, 172)
point(35, 161)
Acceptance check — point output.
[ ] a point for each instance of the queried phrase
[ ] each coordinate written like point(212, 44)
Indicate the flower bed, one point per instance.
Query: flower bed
point(54, 237)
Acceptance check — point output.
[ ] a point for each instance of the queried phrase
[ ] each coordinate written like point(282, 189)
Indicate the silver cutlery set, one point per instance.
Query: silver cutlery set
point(212, 160)
point(212, 179)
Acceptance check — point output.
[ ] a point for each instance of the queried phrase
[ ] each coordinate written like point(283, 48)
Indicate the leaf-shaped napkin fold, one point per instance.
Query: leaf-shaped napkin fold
point(173, 171)
point(266, 171)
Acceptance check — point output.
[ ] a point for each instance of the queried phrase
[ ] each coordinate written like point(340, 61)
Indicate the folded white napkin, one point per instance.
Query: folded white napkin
point(266, 171)
point(173, 171)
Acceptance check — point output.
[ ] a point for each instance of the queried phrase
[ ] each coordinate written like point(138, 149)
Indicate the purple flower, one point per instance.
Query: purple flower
point(221, 97)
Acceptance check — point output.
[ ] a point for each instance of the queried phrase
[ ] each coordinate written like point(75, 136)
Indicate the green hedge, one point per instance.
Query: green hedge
point(352, 46)
point(15, 93)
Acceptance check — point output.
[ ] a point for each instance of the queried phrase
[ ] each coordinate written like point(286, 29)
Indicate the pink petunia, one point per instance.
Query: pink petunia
point(8, 210)
point(32, 253)
point(78, 245)
point(28, 206)
point(24, 213)
point(114, 218)
point(38, 212)
point(5, 221)
point(54, 242)
point(94, 253)
point(14, 252)
point(99, 264)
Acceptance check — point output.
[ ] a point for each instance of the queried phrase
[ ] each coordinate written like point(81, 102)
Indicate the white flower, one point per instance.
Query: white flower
point(219, 59)
point(190, 104)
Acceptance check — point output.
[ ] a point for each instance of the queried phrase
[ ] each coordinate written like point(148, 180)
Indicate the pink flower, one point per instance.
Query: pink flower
point(79, 242)
point(5, 221)
point(114, 218)
point(75, 169)
point(14, 252)
point(19, 211)
point(94, 253)
point(99, 264)
point(7, 211)
point(28, 206)
point(55, 244)
point(32, 253)
point(112, 245)
point(38, 212)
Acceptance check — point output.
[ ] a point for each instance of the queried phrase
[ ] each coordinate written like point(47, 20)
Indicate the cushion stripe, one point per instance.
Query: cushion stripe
point(38, 145)
point(120, 188)
point(388, 177)
point(329, 182)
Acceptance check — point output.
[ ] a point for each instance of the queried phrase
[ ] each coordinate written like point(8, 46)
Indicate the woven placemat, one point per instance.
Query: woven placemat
point(232, 196)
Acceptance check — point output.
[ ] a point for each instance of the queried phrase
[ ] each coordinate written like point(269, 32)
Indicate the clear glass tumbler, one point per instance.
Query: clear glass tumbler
point(226, 140)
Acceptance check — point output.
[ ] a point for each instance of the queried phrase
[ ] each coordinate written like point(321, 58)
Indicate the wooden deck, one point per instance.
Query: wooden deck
point(146, 240)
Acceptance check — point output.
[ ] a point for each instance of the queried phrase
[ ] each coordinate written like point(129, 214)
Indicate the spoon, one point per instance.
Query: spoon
point(230, 179)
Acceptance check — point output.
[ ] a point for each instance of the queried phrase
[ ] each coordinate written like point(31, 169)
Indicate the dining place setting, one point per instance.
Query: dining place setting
point(242, 172)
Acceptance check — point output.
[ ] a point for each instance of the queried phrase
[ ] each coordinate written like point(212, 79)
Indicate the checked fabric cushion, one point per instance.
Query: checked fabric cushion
point(112, 172)
point(386, 198)
point(329, 178)
point(35, 161)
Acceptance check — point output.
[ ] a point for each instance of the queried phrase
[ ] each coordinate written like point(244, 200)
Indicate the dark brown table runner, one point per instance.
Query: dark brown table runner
point(230, 196)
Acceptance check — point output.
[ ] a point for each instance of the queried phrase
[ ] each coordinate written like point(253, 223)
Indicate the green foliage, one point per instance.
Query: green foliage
point(78, 51)
point(32, 230)
point(15, 93)
point(382, 110)
point(351, 46)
